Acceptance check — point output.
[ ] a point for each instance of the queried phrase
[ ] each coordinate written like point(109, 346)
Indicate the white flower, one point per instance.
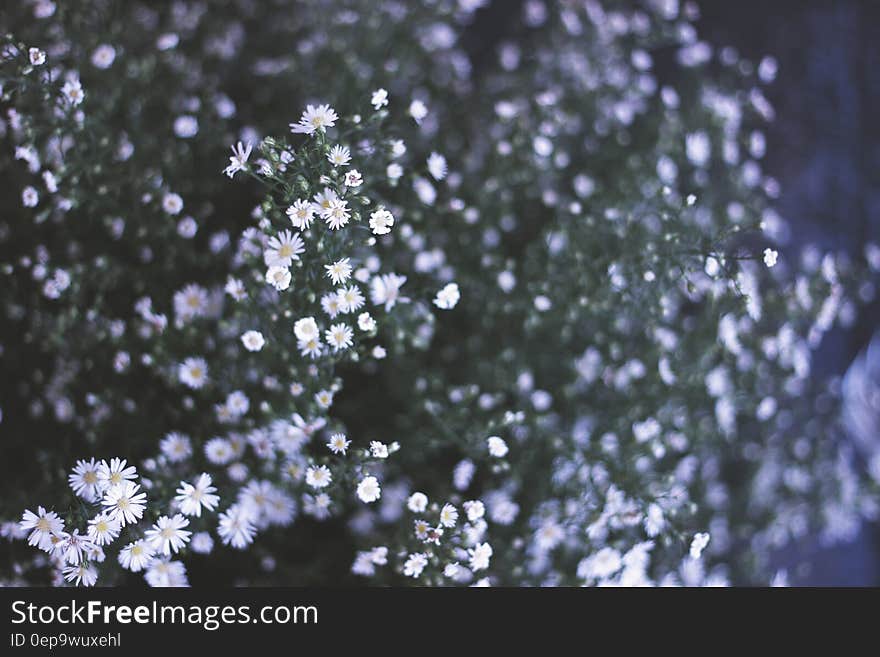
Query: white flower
point(193, 372)
point(318, 476)
point(394, 171)
point(84, 574)
point(379, 352)
point(172, 203)
point(236, 528)
point(301, 214)
point(338, 443)
point(415, 564)
point(311, 347)
point(417, 502)
point(379, 99)
point(698, 544)
point(418, 110)
point(103, 529)
point(186, 126)
point(385, 290)
point(278, 277)
point(368, 490)
point(474, 510)
point(283, 249)
point(366, 322)
point(168, 534)
point(479, 556)
point(218, 451)
point(323, 198)
point(448, 297)
point(451, 570)
point(238, 160)
point(381, 221)
point(306, 329)
point(253, 340)
point(235, 288)
point(378, 450)
point(336, 215)
point(324, 398)
point(353, 178)
point(339, 271)
point(349, 299)
point(103, 56)
point(29, 197)
point(73, 92)
point(201, 543)
point(193, 497)
point(437, 166)
point(115, 473)
point(339, 336)
point(448, 516)
point(315, 119)
point(497, 447)
point(164, 573)
point(125, 503)
point(84, 480)
point(770, 257)
point(136, 555)
point(330, 304)
point(176, 447)
point(602, 564)
point(43, 525)
point(339, 156)
point(36, 56)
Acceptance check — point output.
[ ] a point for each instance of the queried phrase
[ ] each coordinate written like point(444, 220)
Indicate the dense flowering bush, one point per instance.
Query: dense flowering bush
point(451, 314)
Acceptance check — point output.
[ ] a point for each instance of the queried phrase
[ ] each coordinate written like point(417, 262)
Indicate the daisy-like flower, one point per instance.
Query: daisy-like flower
point(415, 564)
point(103, 529)
point(190, 302)
point(84, 574)
point(330, 304)
point(339, 271)
point(418, 110)
point(366, 322)
point(474, 509)
point(193, 372)
point(379, 99)
point(71, 547)
point(448, 297)
point(448, 516)
point(417, 502)
point(306, 329)
point(770, 257)
point(338, 443)
point(318, 476)
point(283, 249)
point(125, 503)
point(323, 199)
point(73, 92)
point(437, 166)
point(165, 573)
point(368, 490)
point(339, 156)
point(301, 214)
point(29, 197)
point(479, 556)
point(192, 497)
point(103, 56)
point(278, 277)
point(350, 299)
point(385, 290)
point(315, 119)
point(202, 543)
point(235, 288)
point(339, 337)
point(381, 221)
point(337, 214)
point(136, 556)
point(353, 178)
point(236, 528)
point(84, 480)
point(176, 447)
point(311, 347)
point(115, 473)
point(218, 451)
point(378, 450)
point(238, 160)
point(43, 525)
point(324, 398)
point(172, 203)
point(168, 534)
point(36, 56)
point(253, 340)
point(497, 447)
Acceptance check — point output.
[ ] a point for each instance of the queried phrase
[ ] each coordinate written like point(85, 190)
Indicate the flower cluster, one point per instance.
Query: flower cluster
point(532, 324)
